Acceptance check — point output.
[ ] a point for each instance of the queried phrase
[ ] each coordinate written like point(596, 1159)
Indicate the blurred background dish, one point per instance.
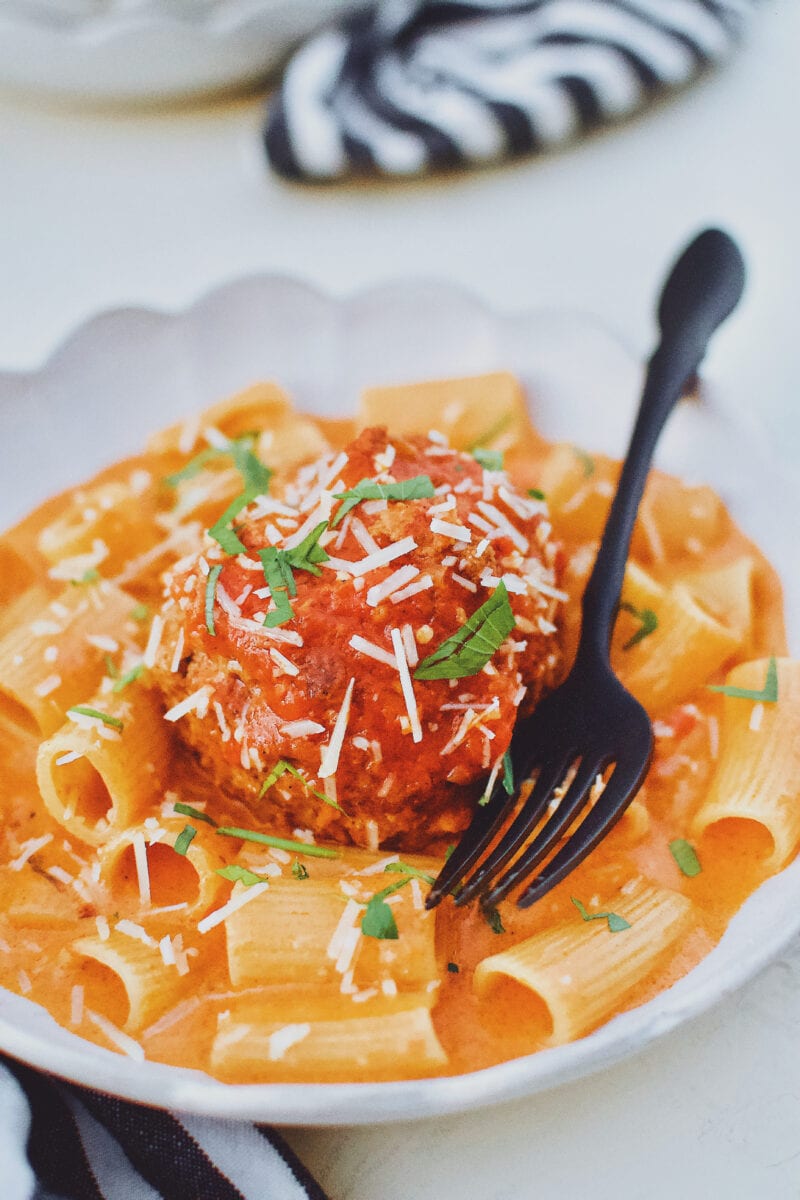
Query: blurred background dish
point(145, 50)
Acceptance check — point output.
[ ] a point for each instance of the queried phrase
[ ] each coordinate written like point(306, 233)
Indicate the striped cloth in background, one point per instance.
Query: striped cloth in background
point(408, 86)
point(59, 1140)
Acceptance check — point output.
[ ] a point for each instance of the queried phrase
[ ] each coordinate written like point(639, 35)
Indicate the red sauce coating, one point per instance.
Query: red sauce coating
point(257, 685)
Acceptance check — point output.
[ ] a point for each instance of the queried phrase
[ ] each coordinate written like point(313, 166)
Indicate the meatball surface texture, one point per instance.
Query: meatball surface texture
point(317, 721)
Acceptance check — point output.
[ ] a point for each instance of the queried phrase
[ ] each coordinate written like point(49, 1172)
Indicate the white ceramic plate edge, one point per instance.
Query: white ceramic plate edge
point(404, 330)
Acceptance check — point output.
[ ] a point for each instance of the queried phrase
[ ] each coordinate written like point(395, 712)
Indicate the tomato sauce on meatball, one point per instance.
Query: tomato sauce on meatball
point(315, 718)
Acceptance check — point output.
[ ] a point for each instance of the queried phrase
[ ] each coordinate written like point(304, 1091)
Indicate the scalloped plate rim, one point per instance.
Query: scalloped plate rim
point(375, 1103)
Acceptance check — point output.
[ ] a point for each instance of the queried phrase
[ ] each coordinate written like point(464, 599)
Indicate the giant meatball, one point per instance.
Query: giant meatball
point(323, 707)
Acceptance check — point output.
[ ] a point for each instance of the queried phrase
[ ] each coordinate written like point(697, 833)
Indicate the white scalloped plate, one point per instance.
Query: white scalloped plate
point(128, 372)
point(151, 49)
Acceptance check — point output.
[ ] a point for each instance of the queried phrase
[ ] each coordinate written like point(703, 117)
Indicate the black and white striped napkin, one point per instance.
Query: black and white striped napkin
point(62, 1141)
point(407, 86)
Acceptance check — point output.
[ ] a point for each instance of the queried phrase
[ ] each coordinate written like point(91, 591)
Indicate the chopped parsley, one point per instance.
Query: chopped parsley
point(536, 494)
point(283, 767)
point(467, 651)
point(186, 810)
point(85, 711)
point(140, 612)
point(278, 566)
point(768, 694)
point(648, 623)
point(493, 918)
point(401, 868)
point(238, 874)
point(211, 593)
point(221, 532)
point(616, 923)
point(685, 856)
point(491, 460)
point(418, 488)
point(586, 461)
point(255, 475)
point(266, 839)
point(90, 576)
point(487, 438)
point(378, 920)
point(508, 773)
point(122, 681)
point(309, 553)
point(281, 584)
point(184, 839)
point(298, 870)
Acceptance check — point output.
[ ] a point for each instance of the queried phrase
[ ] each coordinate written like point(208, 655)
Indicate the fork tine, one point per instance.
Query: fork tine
point(551, 772)
point(486, 820)
point(571, 803)
point(620, 790)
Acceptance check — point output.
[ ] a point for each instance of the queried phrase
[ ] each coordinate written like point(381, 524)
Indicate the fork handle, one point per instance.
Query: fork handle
point(701, 291)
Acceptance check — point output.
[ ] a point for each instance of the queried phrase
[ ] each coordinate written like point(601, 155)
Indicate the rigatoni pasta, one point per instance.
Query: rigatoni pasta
point(254, 682)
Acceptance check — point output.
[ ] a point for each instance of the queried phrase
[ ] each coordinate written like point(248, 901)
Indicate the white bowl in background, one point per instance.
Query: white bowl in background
point(140, 50)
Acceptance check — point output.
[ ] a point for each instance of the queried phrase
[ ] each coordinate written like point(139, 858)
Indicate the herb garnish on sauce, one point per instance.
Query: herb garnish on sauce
point(767, 695)
point(649, 623)
point(418, 488)
point(616, 923)
point(467, 651)
point(685, 856)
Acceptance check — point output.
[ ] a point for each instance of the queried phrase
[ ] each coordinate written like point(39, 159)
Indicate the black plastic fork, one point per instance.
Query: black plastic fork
point(591, 720)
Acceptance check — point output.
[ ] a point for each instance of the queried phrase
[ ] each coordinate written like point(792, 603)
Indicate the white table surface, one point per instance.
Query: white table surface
point(153, 208)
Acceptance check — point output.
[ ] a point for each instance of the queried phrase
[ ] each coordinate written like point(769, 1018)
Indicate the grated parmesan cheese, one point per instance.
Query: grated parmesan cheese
point(197, 702)
point(372, 651)
point(233, 905)
point(283, 1039)
point(331, 752)
point(142, 867)
point(300, 729)
point(154, 640)
point(398, 579)
point(115, 1035)
point(405, 683)
point(459, 533)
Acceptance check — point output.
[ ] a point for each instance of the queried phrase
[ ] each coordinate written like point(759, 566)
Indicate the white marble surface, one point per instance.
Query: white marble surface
point(116, 208)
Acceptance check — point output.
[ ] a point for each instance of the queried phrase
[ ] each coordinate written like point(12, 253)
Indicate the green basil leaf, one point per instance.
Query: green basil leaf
point(616, 923)
point(239, 874)
point(768, 694)
point(418, 488)
point(86, 711)
point(468, 650)
point(685, 856)
point(211, 593)
point(649, 624)
point(221, 532)
point(378, 921)
point(184, 839)
point(266, 839)
point(492, 460)
point(493, 919)
point(186, 810)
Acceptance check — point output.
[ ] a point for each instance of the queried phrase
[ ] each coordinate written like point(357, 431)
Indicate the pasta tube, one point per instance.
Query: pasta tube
point(57, 657)
point(103, 772)
point(383, 1039)
point(580, 971)
point(758, 772)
